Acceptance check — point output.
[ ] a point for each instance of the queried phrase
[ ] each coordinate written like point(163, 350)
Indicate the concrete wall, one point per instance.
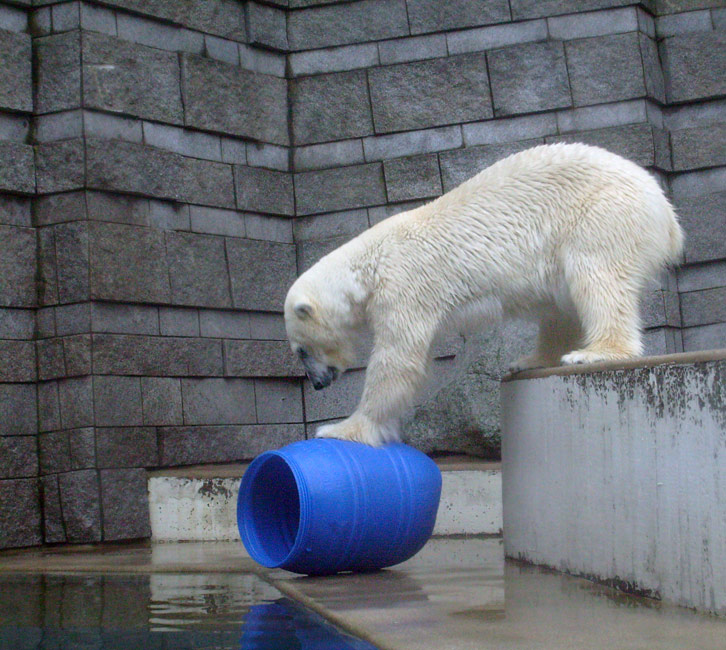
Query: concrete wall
point(620, 475)
point(169, 166)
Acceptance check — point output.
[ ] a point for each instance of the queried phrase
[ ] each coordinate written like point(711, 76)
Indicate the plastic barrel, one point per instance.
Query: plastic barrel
point(324, 506)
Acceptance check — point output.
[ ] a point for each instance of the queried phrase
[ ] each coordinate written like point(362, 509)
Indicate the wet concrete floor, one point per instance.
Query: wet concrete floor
point(456, 594)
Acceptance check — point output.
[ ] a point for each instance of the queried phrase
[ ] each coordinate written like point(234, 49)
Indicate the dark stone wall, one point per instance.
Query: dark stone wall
point(170, 166)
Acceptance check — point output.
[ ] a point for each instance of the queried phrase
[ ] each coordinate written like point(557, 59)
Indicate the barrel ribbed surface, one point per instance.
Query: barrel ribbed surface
point(326, 506)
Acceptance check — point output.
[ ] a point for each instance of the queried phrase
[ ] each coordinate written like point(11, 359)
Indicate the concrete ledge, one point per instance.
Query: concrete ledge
point(200, 503)
point(618, 473)
point(629, 364)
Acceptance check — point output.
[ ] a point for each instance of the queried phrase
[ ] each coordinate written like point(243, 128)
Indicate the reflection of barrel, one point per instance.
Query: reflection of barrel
point(324, 506)
point(285, 625)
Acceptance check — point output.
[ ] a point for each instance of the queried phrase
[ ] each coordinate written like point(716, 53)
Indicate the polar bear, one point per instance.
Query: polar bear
point(566, 233)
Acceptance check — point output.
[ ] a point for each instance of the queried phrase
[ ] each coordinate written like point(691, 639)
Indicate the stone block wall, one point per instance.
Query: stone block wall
point(170, 166)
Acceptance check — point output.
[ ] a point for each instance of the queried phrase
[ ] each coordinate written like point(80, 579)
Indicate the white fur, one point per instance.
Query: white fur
point(567, 233)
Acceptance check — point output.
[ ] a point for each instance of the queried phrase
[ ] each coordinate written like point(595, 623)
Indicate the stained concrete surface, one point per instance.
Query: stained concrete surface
point(458, 593)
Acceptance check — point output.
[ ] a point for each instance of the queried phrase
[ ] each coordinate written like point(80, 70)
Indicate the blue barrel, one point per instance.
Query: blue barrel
point(324, 506)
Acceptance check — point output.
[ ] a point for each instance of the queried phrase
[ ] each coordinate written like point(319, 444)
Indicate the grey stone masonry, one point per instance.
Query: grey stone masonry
point(330, 107)
point(694, 65)
point(124, 77)
point(16, 91)
point(221, 97)
point(528, 78)
point(171, 166)
point(350, 22)
point(430, 93)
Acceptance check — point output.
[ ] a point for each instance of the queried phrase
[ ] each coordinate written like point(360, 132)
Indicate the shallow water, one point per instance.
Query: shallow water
point(158, 612)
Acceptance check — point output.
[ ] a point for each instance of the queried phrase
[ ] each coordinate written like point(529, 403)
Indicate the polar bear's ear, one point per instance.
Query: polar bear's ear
point(303, 310)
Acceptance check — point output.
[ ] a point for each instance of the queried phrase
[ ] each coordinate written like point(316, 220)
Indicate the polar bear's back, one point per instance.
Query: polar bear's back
point(515, 226)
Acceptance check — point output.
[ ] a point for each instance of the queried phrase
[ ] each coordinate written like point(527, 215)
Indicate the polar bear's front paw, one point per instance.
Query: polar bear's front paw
point(358, 428)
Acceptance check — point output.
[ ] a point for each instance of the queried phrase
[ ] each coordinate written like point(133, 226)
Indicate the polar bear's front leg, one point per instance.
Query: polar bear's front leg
point(394, 375)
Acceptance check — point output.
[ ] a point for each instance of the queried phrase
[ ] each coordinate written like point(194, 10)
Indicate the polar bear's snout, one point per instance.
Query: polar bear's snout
point(318, 373)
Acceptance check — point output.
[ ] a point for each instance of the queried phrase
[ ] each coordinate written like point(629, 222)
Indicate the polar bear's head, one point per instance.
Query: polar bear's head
point(322, 321)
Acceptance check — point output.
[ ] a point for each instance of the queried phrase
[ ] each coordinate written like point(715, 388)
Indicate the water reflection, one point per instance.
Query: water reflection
point(158, 612)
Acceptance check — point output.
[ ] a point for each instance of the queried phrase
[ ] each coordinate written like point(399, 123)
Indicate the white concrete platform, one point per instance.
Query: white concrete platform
point(617, 472)
point(200, 503)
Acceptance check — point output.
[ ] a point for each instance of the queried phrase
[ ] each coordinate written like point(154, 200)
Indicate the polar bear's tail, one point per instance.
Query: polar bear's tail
point(674, 251)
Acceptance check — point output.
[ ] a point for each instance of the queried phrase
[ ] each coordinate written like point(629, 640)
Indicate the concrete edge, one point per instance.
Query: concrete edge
point(236, 470)
point(681, 358)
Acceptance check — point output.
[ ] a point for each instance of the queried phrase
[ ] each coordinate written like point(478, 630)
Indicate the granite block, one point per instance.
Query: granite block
point(260, 273)
point(330, 107)
point(20, 515)
point(198, 270)
point(154, 356)
point(634, 142)
point(331, 225)
point(701, 217)
point(703, 307)
point(334, 59)
point(224, 98)
point(694, 65)
point(430, 93)
point(605, 69)
point(224, 324)
point(529, 77)
point(59, 208)
point(124, 319)
point(18, 457)
point(267, 26)
point(48, 417)
point(17, 173)
point(125, 504)
point(15, 211)
point(522, 9)
point(128, 263)
point(416, 177)
point(47, 280)
point(382, 147)
point(162, 400)
point(434, 16)
point(17, 361)
point(126, 447)
point(510, 129)
point(58, 72)
point(260, 359)
point(60, 166)
point(703, 146)
point(344, 188)
point(16, 79)
point(80, 502)
point(17, 266)
point(72, 259)
point(264, 190)
point(53, 531)
point(267, 228)
point(77, 353)
point(50, 359)
point(117, 401)
point(342, 24)
point(139, 169)
point(75, 396)
point(223, 444)
point(487, 38)
point(278, 401)
point(218, 401)
point(178, 321)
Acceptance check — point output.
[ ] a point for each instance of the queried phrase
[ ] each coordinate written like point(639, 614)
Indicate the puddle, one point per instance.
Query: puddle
point(158, 612)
